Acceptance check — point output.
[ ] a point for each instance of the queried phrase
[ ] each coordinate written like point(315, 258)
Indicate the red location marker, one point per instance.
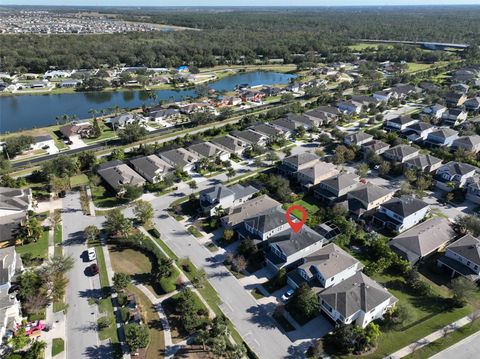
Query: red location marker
point(296, 226)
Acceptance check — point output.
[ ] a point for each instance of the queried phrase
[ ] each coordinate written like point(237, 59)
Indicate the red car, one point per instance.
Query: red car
point(93, 269)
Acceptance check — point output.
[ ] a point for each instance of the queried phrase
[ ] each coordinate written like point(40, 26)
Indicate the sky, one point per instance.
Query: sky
point(238, 2)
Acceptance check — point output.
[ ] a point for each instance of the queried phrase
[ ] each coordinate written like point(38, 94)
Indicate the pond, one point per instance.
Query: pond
point(31, 111)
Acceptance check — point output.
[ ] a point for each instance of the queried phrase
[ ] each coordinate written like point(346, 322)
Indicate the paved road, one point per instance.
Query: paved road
point(468, 348)
point(81, 334)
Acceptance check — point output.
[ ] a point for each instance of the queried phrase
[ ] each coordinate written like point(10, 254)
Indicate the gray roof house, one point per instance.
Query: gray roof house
point(286, 125)
point(179, 158)
point(400, 214)
point(462, 257)
point(399, 123)
point(357, 139)
point(230, 144)
point(326, 267)
point(441, 137)
point(264, 225)
point(376, 146)
point(152, 167)
point(357, 300)
point(254, 206)
point(15, 200)
point(422, 240)
point(209, 150)
point(250, 137)
point(223, 197)
point(295, 163)
point(124, 119)
point(472, 104)
point(268, 130)
point(401, 153)
point(453, 174)
point(288, 248)
point(417, 131)
point(335, 188)
point(117, 175)
point(313, 175)
point(468, 143)
point(425, 163)
point(367, 197)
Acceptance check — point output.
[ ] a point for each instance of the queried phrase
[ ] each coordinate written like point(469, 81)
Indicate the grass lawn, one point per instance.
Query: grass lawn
point(257, 294)
point(156, 346)
point(107, 134)
point(105, 198)
point(58, 346)
point(78, 180)
point(106, 308)
point(195, 232)
point(57, 240)
point(156, 237)
point(211, 247)
point(129, 261)
point(445, 342)
point(308, 203)
point(38, 249)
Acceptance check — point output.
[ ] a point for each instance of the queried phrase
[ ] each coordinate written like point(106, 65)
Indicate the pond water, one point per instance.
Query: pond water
point(31, 111)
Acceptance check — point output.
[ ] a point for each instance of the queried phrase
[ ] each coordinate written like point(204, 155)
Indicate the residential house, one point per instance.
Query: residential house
point(251, 137)
point(264, 225)
point(208, 150)
point(376, 146)
point(401, 153)
point(15, 200)
point(399, 123)
point(286, 125)
point(291, 165)
point(382, 96)
point(320, 118)
point(287, 248)
point(435, 111)
point(418, 131)
point(230, 144)
point(315, 174)
point(367, 197)
point(268, 130)
point(336, 188)
point(152, 167)
point(472, 104)
point(221, 197)
point(117, 175)
point(43, 142)
point(164, 114)
point(460, 87)
point(462, 257)
point(357, 139)
point(422, 240)
point(303, 120)
point(400, 214)
point(357, 300)
point(10, 308)
point(454, 117)
point(328, 266)
point(350, 107)
point(238, 214)
point(441, 137)
point(468, 143)
point(76, 131)
point(402, 91)
point(473, 189)
point(179, 158)
point(428, 86)
point(455, 99)
point(425, 163)
point(453, 175)
point(124, 119)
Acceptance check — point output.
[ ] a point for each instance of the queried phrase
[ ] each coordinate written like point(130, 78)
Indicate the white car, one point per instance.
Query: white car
point(91, 254)
point(287, 295)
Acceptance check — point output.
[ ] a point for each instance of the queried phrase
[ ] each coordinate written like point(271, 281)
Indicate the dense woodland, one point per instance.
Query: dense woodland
point(243, 36)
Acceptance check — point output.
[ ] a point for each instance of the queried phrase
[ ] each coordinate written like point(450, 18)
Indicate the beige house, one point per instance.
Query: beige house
point(315, 174)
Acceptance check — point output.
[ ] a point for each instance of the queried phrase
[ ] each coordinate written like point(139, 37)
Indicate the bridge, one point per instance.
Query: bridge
point(425, 44)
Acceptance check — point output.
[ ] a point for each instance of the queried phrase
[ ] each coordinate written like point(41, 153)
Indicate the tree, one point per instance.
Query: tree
point(462, 289)
point(305, 301)
point(384, 168)
point(131, 192)
point(362, 170)
point(62, 166)
point(87, 160)
point(239, 263)
point(132, 133)
point(19, 340)
point(15, 145)
point(104, 322)
point(30, 230)
point(96, 129)
point(36, 350)
point(59, 184)
point(199, 278)
point(228, 234)
point(120, 281)
point(468, 224)
point(143, 210)
point(116, 223)
point(231, 173)
point(92, 233)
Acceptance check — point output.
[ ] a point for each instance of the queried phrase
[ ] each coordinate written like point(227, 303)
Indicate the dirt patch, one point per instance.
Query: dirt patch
point(192, 352)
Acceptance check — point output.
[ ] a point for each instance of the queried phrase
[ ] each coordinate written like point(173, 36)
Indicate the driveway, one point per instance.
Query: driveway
point(81, 328)
point(468, 348)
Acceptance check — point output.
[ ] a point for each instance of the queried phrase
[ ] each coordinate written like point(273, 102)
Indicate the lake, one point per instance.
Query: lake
point(30, 111)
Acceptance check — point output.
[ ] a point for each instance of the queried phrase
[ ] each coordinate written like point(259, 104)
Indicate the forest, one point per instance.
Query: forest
point(241, 36)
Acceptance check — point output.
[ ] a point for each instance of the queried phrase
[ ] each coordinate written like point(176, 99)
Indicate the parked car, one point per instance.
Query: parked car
point(91, 254)
point(93, 269)
point(288, 295)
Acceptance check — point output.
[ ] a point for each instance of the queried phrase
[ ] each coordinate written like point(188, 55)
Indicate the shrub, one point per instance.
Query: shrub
point(104, 322)
point(167, 284)
point(124, 314)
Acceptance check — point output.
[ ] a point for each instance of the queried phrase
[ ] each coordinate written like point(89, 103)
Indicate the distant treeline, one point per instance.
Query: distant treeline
point(232, 36)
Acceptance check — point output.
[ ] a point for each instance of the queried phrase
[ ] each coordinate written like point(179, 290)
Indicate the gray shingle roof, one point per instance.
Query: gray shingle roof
point(359, 137)
point(401, 120)
point(268, 220)
point(290, 242)
point(249, 209)
point(267, 130)
point(358, 292)
point(150, 165)
point(120, 175)
point(468, 247)
point(369, 192)
point(341, 181)
point(404, 206)
point(458, 168)
point(14, 199)
point(300, 159)
point(422, 161)
point(423, 239)
point(248, 136)
point(233, 144)
point(401, 151)
point(205, 149)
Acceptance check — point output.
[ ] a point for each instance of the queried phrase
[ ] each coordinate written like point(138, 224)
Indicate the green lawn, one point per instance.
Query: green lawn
point(308, 203)
point(78, 180)
point(445, 342)
point(195, 232)
point(57, 240)
point(105, 198)
point(107, 134)
point(58, 346)
point(38, 249)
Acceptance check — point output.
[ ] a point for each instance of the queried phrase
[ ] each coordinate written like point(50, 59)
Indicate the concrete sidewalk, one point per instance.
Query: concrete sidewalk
point(409, 349)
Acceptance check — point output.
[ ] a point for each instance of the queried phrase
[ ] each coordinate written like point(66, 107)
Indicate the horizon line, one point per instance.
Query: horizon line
point(245, 6)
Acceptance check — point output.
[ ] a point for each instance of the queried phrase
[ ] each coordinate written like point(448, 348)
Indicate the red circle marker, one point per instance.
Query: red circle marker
point(296, 226)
